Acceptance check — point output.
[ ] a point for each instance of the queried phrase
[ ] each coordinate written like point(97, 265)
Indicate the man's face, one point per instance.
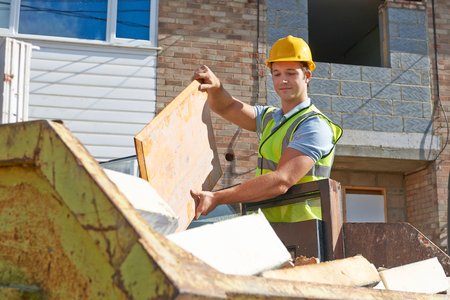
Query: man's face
point(290, 80)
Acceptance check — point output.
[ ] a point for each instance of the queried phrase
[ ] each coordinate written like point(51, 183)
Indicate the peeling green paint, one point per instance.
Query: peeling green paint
point(61, 227)
point(155, 286)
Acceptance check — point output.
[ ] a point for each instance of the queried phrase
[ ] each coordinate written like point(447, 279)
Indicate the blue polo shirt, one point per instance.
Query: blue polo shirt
point(313, 137)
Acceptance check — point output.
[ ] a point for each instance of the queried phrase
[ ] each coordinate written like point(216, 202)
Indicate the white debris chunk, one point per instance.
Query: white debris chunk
point(245, 245)
point(426, 276)
point(146, 200)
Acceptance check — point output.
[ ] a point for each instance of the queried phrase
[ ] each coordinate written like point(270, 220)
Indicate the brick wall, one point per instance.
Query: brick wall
point(427, 189)
point(223, 35)
point(439, 43)
point(421, 201)
point(392, 182)
point(394, 99)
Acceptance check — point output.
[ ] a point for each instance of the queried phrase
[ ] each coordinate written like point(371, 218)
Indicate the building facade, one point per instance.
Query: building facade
point(378, 82)
point(381, 74)
point(93, 66)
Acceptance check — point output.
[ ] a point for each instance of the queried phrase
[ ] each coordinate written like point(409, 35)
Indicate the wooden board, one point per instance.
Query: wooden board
point(353, 271)
point(177, 152)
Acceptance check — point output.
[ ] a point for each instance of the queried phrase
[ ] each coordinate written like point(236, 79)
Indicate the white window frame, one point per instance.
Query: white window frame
point(110, 28)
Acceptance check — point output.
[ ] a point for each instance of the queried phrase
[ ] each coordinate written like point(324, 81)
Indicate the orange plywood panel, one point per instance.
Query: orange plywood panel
point(177, 152)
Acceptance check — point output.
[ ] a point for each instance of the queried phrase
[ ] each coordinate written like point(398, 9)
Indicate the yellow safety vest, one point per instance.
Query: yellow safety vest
point(271, 147)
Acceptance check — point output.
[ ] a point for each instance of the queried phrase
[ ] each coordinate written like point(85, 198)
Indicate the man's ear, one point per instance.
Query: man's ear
point(308, 75)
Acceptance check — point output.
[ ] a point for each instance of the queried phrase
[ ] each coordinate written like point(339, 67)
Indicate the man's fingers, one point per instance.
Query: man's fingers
point(204, 87)
point(196, 197)
point(198, 213)
point(202, 74)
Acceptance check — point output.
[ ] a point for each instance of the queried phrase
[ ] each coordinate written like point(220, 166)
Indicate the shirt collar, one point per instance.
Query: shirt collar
point(278, 115)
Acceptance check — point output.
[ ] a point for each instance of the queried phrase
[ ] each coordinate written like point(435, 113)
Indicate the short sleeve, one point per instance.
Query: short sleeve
point(259, 112)
point(313, 137)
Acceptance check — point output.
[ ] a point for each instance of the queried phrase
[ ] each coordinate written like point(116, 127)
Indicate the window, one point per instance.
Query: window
point(345, 32)
point(101, 20)
point(132, 19)
point(364, 204)
point(5, 7)
point(64, 18)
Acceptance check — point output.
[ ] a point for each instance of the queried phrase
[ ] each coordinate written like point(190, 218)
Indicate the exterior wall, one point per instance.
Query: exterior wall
point(104, 95)
point(392, 182)
point(289, 16)
point(227, 37)
point(421, 202)
point(375, 99)
point(384, 105)
point(283, 18)
point(439, 45)
point(388, 113)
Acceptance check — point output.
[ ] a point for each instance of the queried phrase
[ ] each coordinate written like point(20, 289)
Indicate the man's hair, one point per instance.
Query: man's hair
point(303, 64)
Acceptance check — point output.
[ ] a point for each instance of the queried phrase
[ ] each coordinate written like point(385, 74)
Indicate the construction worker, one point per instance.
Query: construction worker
point(297, 141)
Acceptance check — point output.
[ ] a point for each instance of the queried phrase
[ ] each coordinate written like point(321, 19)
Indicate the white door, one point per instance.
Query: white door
point(15, 57)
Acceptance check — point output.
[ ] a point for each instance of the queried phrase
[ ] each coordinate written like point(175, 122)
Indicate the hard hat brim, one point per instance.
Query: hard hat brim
point(311, 64)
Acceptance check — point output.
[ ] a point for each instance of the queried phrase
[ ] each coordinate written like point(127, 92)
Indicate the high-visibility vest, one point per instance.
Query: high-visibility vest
point(270, 149)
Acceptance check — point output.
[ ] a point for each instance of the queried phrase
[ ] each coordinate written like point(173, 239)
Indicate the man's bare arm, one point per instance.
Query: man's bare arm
point(293, 166)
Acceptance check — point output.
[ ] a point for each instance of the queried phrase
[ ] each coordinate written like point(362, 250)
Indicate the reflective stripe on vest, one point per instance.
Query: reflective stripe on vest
point(316, 170)
point(309, 209)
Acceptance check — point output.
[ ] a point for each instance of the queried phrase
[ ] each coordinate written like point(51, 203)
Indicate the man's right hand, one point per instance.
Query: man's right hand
point(207, 79)
point(222, 103)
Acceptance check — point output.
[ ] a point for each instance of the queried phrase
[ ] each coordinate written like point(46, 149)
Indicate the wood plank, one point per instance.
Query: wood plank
point(336, 220)
point(354, 271)
point(177, 152)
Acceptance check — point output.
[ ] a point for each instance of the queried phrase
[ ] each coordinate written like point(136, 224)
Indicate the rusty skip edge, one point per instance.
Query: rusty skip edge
point(192, 278)
point(185, 273)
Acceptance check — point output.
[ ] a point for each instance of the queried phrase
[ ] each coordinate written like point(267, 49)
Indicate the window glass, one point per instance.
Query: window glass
point(5, 6)
point(133, 18)
point(85, 19)
point(364, 208)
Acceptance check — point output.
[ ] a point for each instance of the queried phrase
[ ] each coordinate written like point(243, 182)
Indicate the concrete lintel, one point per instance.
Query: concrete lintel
point(395, 145)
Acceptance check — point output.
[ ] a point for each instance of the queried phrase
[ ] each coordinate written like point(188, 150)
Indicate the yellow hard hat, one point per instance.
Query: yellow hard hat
point(291, 48)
